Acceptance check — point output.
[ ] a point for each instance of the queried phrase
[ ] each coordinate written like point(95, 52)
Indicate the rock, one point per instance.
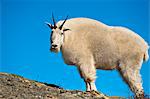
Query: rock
point(16, 87)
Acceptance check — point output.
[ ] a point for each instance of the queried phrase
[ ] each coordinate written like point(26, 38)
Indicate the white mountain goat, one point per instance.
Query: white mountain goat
point(91, 45)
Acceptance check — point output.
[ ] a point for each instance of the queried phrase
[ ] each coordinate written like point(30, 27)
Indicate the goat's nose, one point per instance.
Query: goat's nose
point(54, 46)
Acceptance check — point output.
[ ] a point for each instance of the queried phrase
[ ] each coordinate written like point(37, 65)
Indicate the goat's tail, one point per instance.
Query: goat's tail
point(146, 56)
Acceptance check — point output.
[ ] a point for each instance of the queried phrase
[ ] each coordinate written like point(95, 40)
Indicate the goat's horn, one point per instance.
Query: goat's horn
point(54, 21)
point(63, 23)
point(51, 26)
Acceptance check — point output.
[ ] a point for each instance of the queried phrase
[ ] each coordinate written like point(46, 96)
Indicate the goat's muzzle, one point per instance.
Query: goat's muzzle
point(54, 48)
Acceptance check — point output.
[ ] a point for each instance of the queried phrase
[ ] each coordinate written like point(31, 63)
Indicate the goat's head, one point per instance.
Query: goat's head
point(57, 35)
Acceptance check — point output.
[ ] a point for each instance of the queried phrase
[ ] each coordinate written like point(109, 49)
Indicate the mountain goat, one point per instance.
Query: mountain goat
point(91, 45)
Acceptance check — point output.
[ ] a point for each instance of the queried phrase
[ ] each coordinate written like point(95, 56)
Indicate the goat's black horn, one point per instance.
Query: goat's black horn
point(54, 21)
point(51, 26)
point(63, 23)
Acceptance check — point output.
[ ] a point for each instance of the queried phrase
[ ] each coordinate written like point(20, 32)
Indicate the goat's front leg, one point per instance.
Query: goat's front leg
point(88, 73)
point(90, 86)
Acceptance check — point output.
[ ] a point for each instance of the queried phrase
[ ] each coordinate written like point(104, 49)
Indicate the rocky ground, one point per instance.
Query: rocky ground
point(17, 87)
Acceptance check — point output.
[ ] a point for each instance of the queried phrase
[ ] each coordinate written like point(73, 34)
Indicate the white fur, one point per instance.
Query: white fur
point(91, 45)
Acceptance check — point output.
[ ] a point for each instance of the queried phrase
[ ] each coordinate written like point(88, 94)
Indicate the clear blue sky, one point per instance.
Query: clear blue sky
point(25, 39)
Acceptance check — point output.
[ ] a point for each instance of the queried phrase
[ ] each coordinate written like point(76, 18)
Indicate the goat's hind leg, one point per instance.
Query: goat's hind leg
point(131, 75)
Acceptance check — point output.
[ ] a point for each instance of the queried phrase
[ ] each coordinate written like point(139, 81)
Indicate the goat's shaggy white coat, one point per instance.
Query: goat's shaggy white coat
point(91, 45)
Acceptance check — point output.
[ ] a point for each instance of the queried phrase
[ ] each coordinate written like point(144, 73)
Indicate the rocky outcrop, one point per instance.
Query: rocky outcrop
point(17, 87)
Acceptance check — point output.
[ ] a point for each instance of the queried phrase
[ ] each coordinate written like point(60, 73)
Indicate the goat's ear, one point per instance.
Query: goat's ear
point(65, 30)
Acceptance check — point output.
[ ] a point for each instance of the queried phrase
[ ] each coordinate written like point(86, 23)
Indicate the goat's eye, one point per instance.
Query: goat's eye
point(62, 33)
